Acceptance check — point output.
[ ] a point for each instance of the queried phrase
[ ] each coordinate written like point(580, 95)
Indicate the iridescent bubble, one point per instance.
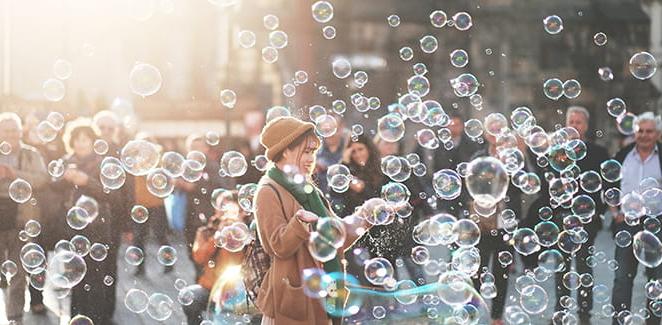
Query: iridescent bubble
point(5, 148)
point(547, 233)
point(341, 68)
point(269, 54)
point(467, 232)
point(393, 20)
point(329, 32)
point(553, 88)
point(81, 245)
point(46, 132)
point(77, 218)
point(167, 255)
point(378, 312)
point(465, 85)
point(278, 39)
point(625, 123)
point(139, 157)
point(590, 181)
point(420, 255)
point(600, 39)
point(62, 69)
point(245, 196)
point(551, 261)
point(134, 255)
point(473, 128)
point(438, 18)
point(647, 248)
point(610, 170)
point(53, 90)
point(447, 184)
point(228, 98)
point(246, 39)
point(100, 147)
point(623, 238)
point(403, 289)
point(32, 228)
point(98, 252)
point(332, 230)
point(426, 138)
point(81, 320)
point(159, 183)
point(462, 21)
point(136, 300)
point(643, 65)
point(233, 164)
point(553, 24)
point(605, 73)
point(159, 307)
point(322, 11)
point(429, 44)
point(66, 269)
point(391, 127)
point(326, 125)
point(377, 212)
point(418, 85)
point(112, 174)
point(145, 79)
point(378, 270)
point(572, 88)
point(270, 22)
point(20, 190)
point(533, 299)
point(487, 180)
point(616, 107)
point(455, 288)
point(526, 241)
point(406, 53)
point(394, 193)
point(583, 206)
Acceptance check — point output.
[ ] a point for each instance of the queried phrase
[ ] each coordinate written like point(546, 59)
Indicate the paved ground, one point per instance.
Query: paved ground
point(156, 281)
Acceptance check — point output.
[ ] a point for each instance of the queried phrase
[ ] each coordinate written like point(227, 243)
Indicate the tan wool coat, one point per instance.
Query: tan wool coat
point(285, 240)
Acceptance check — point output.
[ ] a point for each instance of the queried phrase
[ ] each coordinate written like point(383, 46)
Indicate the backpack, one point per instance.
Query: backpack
point(256, 261)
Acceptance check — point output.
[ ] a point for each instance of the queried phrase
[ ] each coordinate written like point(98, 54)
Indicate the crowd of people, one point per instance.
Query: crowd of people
point(286, 213)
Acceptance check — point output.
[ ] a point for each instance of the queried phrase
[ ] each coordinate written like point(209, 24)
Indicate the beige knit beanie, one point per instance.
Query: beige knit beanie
point(281, 132)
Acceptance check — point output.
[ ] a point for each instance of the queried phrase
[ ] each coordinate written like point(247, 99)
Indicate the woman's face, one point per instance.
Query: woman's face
point(360, 154)
point(306, 163)
point(83, 145)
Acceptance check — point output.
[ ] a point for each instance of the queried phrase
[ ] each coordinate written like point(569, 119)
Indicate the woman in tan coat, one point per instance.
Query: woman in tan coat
point(286, 211)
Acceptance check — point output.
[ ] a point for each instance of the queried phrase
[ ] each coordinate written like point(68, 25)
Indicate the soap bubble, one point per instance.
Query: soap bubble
point(533, 299)
point(98, 252)
point(278, 39)
point(459, 58)
point(233, 164)
point(429, 44)
point(647, 248)
point(320, 248)
point(616, 107)
point(53, 89)
point(167, 255)
point(77, 218)
point(553, 88)
point(643, 65)
point(269, 54)
point(228, 98)
point(329, 32)
point(66, 269)
point(418, 85)
point(467, 233)
point(391, 127)
point(341, 68)
point(112, 174)
point(625, 123)
point(406, 53)
point(465, 85)
point(81, 320)
point(610, 170)
point(139, 157)
point(487, 180)
point(393, 20)
point(326, 125)
point(526, 241)
point(551, 261)
point(159, 183)
point(20, 190)
point(553, 24)
point(572, 88)
point(139, 214)
point(438, 18)
point(246, 39)
point(322, 11)
point(145, 79)
point(378, 270)
point(600, 39)
point(62, 69)
point(447, 184)
point(462, 21)
point(159, 307)
point(134, 255)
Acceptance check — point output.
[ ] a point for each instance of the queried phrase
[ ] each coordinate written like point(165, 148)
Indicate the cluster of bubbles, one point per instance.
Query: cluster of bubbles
point(233, 237)
point(554, 88)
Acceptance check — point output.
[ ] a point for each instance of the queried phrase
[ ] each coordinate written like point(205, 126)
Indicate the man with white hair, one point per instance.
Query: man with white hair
point(24, 162)
point(640, 160)
point(578, 117)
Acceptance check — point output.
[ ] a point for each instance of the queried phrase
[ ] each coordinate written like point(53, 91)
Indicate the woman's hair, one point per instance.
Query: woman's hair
point(371, 171)
point(297, 144)
point(76, 128)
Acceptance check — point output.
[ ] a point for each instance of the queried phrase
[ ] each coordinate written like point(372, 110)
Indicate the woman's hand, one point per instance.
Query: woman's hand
point(347, 155)
point(306, 216)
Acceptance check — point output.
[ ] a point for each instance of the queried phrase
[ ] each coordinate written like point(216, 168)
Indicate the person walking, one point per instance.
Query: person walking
point(286, 211)
point(640, 160)
point(26, 163)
